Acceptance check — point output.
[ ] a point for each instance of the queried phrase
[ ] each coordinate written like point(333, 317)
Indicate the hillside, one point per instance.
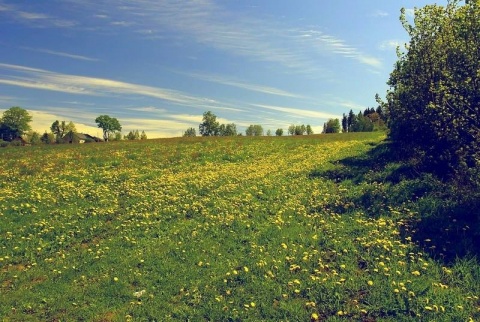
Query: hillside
point(321, 228)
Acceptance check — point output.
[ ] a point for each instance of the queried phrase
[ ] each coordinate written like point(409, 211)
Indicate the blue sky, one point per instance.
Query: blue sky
point(157, 65)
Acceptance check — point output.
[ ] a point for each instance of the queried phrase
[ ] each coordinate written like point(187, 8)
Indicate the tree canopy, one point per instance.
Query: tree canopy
point(14, 123)
point(209, 125)
point(108, 125)
point(332, 126)
point(61, 128)
point(254, 130)
point(190, 132)
point(433, 105)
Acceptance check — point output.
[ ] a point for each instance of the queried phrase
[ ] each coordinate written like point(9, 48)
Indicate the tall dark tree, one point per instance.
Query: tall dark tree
point(209, 125)
point(351, 119)
point(344, 123)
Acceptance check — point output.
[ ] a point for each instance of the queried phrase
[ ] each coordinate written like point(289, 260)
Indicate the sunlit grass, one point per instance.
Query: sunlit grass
point(220, 229)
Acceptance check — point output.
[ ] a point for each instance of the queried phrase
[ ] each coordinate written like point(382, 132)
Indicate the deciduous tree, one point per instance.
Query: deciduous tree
point(254, 130)
point(61, 128)
point(309, 130)
point(433, 103)
point(190, 132)
point(332, 126)
point(108, 125)
point(209, 125)
point(14, 123)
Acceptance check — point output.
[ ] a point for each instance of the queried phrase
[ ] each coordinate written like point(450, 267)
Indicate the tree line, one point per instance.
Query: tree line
point(369, 120)
point(211, 127)
point(15, 129)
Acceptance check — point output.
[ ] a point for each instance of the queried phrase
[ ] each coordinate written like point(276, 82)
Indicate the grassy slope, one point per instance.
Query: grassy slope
point(291, 228)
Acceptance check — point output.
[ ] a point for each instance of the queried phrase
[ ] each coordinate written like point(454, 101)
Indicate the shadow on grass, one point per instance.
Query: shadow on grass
point(449, 228)
point(448, 223)
point(376, 160)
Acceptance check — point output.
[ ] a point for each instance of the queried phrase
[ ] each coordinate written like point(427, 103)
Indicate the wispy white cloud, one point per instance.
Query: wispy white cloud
point(26, 83)
point(380, 13)
point(187, 118)
point(62, 54)
point(351, 105)
point(122, 23)
point(32, 18)
point(297, 111)
point(150, 109)
point(207, 23)
point(6, 98)
point(247, 86)
point(82, 85)
point(31, 15)
point(325, 43)
point(390, 44)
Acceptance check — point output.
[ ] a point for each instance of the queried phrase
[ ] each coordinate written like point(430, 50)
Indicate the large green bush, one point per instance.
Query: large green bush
point(434, 100)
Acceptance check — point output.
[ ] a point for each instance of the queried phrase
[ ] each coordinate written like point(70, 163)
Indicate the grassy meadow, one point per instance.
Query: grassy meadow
point(306, 228)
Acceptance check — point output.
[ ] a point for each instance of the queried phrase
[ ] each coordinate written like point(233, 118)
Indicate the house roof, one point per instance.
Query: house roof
point(81, 136)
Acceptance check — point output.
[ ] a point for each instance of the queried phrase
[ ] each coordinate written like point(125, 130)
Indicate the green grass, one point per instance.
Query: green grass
point(322, 227)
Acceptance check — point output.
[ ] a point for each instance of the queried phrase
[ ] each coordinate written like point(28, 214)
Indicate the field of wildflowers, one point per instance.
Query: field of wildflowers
point(218, 229)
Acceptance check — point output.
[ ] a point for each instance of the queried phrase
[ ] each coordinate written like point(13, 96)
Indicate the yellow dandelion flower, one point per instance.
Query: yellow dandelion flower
point(310, 304)
point(370, 283)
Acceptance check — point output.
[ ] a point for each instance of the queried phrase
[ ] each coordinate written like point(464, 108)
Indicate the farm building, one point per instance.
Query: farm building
point(73, 137)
